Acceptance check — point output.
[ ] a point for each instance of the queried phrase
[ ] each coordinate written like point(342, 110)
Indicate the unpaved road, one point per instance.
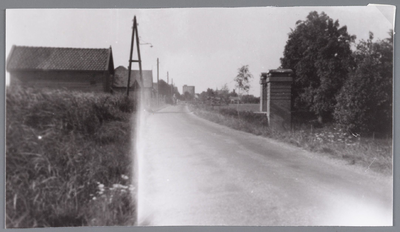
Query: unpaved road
point(194, 172)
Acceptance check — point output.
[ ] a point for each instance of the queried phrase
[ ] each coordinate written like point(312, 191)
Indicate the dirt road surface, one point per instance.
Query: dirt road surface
point(195, 172)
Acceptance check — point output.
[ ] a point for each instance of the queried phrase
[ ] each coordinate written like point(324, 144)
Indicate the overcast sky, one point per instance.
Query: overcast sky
point(203, 47)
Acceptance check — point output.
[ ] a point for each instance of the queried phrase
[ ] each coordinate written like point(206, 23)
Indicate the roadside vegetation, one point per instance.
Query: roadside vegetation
point(342, 95)
point(339, 80)
point(68, 159)
point(241, 107)
point(374, 154)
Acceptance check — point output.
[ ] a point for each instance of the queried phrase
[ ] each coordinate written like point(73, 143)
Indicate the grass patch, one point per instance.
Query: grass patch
point(242, 107)
point(372, 154)
point(68, 159)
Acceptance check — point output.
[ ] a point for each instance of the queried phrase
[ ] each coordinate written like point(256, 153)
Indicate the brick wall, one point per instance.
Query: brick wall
point(276, 87)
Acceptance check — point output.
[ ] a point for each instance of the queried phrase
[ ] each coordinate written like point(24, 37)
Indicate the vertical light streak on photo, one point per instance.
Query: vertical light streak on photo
point(136, 151)
point(140, 167)
point(167, 191)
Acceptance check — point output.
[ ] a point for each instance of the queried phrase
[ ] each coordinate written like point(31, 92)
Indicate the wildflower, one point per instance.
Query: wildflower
point(39, 137)
point(116, 186)
point(94, 198)
point(101, 188)
point(125, 177)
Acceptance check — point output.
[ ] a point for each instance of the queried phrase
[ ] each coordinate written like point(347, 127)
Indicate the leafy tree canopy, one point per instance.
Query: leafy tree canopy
point(318, 51)
point(243, 79)
point(365, 102)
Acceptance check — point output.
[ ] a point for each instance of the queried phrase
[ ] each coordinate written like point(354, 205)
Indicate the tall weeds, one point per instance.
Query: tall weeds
point(59, 146)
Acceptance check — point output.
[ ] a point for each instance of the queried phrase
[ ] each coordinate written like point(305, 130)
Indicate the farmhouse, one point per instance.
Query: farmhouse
point(82, 69)
point(120, 82)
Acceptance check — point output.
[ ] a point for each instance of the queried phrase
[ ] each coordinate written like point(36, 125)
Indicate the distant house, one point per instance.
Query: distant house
point(120, 82)
point(234, 100)
point(82, 69)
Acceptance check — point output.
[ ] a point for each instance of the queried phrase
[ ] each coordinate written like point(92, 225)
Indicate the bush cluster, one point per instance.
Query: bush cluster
point(350, 87)
point(59, 144)
point(247, 116)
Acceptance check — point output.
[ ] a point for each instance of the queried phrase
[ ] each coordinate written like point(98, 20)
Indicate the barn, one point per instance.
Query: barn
point(120, 82)
point(81, 69)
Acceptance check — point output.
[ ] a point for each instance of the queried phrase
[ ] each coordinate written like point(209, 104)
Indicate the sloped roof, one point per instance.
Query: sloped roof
point(52, 58)
point(121, 78)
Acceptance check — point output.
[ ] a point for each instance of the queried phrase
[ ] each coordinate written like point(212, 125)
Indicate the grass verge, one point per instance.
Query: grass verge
point(372, 154)
point(68, 159)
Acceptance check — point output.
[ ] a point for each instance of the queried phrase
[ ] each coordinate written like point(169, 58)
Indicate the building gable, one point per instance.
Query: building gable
point(121, 78)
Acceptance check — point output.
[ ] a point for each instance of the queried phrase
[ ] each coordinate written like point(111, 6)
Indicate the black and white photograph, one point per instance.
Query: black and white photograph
point(212, 116)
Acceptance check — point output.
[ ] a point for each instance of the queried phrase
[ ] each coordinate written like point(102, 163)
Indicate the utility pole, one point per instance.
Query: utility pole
point(158, 82)
point(172, 86)
point(139, 60)
point(168, 80)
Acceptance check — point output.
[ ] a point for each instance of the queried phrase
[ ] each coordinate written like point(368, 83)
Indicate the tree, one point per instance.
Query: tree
point(318, 51)
point(233, 93)
point(242, 79)
point(203, 96)
point(210, 92)
point(223, 93)
point(187, 96)
point(365, 101)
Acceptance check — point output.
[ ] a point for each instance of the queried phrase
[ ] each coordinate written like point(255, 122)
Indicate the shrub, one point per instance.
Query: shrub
point(365, 102)
point(59, 145)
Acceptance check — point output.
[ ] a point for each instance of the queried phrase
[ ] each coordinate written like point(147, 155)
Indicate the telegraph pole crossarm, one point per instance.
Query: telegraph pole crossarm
point(139, 60)
point(138, 50)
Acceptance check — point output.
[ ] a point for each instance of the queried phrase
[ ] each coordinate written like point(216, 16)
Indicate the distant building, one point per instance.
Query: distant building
point(82, 69)
point(234, 100)
point(120, 82)
point(189, 89)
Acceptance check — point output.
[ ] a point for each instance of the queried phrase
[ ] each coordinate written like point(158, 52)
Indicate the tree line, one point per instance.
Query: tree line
point(223, 96)
point(338, 80)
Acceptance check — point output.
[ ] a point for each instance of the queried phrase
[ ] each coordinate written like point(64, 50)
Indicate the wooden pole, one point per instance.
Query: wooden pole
point(139, 60)
point(138, 49)
point(130, 58)
point(172, 86)
point(158, 82)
